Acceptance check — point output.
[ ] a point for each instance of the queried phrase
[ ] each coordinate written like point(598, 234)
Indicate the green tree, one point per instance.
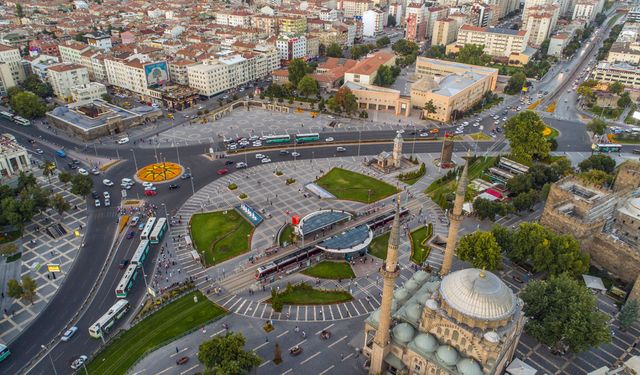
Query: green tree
point(616, 88)
point(382, 42)
point(391, 20)
point(29, 287)
point(629, 314)
point(598, 161)
point(36, 86)
point(60, 204)
point(297, 70)
point(404, 47)
point(597, 177)
point(525, 240)
point(226, 355)
point(321, 104)
point(334, 50)
point(544, 47)
point(524, 132)
point(107, 98)
point(19, 11)
point(27, 105)
point(25, 181)
point(65, 177)
point(486, 209)
point(343, 101)
point(625, 100)
point(81, 185)
point(525, 201)
point(502, 235)
point(520, 184)
point(562, 166)
point(515, 84)
point(597, 126)
point(473, 54)
point(359, 50)
point(481, 250)
point(429, 107)
point(384, 76)
point(14, 289)
point(564, 315)
point(48, 169)
point(308, 86)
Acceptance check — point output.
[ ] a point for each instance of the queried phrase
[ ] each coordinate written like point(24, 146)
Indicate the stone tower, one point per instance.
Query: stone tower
point(455, 218)
point(397, 150)
point(389, 272)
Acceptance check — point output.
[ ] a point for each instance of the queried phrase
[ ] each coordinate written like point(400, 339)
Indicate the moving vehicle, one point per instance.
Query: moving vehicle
point(60, 153)
point(295, 154)
point(185, 176)
point(307, 137)
point(95, 171)
point(228, 162)
point(150, 193)
point(128, 181)
point(79, 362)
point(174, 186)
point(6, 115)
point(131, 234)
point(341, 149)
point(182, 360)
point(606, 147)
point(150, 188)
point(135, 221)
point(4, 352)
point(241, 165)
point(222, 171)
point(157, 234)
point(330, 139)
point(21, 121)
point(148, 227)
point(107, 182)
point(265, 160)
point(284, 152)
point(122, 141)
point(127, 280)
point(109, 319)
point(72, 166)
point(69, 333)
point(260, 156)
point(147, 184)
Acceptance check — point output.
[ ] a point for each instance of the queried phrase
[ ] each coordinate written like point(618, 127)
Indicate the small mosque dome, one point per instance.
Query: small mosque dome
point(403, 332)
point(447, 355)
point(426, 342)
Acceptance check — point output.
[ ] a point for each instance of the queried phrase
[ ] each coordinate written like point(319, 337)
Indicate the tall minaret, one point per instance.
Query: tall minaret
point(455, 218)
point(397, 150)
point(389, 272)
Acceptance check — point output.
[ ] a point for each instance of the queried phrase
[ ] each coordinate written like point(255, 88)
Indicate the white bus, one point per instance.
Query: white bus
point(157, 234)
point(127, 281)
point(6, 115)
point(106, 321)
point(148, 227)
point(21, 121)
point(141, 253)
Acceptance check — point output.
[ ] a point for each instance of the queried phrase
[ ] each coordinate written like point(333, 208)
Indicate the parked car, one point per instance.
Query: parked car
point(341, 149)
point(222, 171)
point(69, 333)
point(106, 195)
point(265, 160)
point(150, 193)
point(241, 165)
point(147, 184)
point(185, 176)
point(76, 364)
point(107, 202)
point(95, 195)
point(174, 186)
point(72, 166)
point(260, 156)
point(124, 140)
point(97, 202)
point(107, 182)
point(150, 188)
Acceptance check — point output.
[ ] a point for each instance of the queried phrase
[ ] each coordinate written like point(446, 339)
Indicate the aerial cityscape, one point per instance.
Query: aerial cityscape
point(320, 187)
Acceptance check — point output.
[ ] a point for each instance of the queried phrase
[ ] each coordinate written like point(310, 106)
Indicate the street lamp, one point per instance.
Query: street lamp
point(193, 189)
point(178, 151)
point(166, 215)
point(48, 354)
point(359, 137)
point(135, 162)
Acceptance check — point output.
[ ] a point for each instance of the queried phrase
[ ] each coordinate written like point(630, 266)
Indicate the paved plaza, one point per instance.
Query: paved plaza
point(38, 250)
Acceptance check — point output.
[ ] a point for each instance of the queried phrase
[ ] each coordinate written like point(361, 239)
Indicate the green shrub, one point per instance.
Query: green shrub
point(232, 186)
point(243, 196)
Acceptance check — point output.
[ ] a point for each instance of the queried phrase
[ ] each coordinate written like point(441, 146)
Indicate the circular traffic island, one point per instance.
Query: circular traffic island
point(159, 172)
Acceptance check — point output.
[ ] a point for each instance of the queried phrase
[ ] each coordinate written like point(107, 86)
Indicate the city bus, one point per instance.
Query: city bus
point(141, 253)
point(309, 137)
point(127, 281)
point(148, 228)
point(606, 147)
point(4, 352)
point(21, 121)
point(157, 234)
point(106, 321)
point(6, 115)
point(277, 139)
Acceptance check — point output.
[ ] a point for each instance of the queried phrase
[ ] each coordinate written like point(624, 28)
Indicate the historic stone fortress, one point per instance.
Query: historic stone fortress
point(605, 221)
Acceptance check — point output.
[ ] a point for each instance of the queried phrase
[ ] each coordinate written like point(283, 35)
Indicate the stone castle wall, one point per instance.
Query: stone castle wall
point(628, 176)
point(617, 257)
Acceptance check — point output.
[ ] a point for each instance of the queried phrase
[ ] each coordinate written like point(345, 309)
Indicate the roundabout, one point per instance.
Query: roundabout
point(159, 172)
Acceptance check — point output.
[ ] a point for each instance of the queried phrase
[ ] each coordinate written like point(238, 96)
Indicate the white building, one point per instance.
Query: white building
point(65, 76)
point(71, 51)
point(291, 47)
point(587, 9)
point(13, 157)
point(557, 44)
point(11, 69)
point(100, 41)
point(88, 92)
point(372, 22)
point(136, 74)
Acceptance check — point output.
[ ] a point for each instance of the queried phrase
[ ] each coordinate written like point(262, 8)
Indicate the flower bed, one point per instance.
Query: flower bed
point(159, 172)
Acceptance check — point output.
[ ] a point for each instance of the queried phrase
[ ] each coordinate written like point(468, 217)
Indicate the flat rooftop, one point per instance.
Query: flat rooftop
point(321, 220)
point(348, 240)
point(93, 114)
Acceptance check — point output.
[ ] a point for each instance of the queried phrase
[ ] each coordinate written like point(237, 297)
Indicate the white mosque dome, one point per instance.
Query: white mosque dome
point(469, 367)
point(447, 355)
point(426, 342)
point(403, 332)
point(478, 294)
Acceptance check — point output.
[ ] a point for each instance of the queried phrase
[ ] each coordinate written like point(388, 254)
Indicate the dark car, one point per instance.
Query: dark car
point(284, 152)
point(174, 186)
point(95, 195)
point(185, 176)
point(131, 234)
point(76, 161)
point(182, 360)
point(72, 166)
point(228, 162)
point(123, 264)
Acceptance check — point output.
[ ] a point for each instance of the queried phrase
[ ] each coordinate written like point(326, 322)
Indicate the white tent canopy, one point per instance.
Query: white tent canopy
point(517, 367)
point(593, 282)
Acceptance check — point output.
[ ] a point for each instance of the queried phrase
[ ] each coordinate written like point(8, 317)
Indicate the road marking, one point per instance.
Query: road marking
point(143, 370)
point(260, 346)
point(338, 340)
point(325, 328)
point(265, 363)
point(165, 370)
point(288, 371)
point(283, 333)
point(217, 333)
point(310, 358)
point(175, 354)
point(354, 307)
point(347, 357)
point(298, 344)
point(189, 369)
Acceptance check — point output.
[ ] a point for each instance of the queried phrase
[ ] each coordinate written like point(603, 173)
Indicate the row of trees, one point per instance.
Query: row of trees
point(27, 99)
point(407, 50)
point(607, 43)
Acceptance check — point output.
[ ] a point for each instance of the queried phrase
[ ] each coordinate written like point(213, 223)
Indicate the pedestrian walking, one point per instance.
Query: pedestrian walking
point(304, 334)
point(177, 350)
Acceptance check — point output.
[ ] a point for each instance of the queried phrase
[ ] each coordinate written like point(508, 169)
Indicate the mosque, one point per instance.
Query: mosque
point(466, 322)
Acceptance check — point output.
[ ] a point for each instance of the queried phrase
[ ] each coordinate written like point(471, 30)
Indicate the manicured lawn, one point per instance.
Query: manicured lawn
point(379, 246)
point(353, 186)
point(480, 136)
point(10, 236)
point(167, 324)
point(300, 295)
point(285, 235)
point(447, 184)
point(419, 249)
point(627, 139)
point(220, 236)
point(330, 270)
point(554, 134)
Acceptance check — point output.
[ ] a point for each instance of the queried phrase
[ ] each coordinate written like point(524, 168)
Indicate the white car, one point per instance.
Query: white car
point(295, 154)
point(95, 171)
point(241, 165)
point(257, 144)
point(124, 140)
point(107, 202)
point(265, 160)
point(458, 132)
point(97, 202)
point(69, 333)
point(125, 186)
point(107, 182)
point(497, 122)
point(128, 181)
point(330, 139)
point(341, 149)
point(475, 125)
point(83, 172)
point(79, 362)
point(254, 138)
point(260, 156)
point(106, 195)
point(424, 134)
point(147, 184)
point(150, 188)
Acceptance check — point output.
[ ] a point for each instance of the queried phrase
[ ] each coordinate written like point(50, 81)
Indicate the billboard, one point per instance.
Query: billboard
point(157, 73)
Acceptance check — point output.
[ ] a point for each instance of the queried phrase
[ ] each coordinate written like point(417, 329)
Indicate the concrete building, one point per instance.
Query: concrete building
point(372, 22)
point(40, 65)
point(445, 31)
point(540, 23)
point(431, 15)
point(11, 69)
point(99, 41)
point(557, 44)
point(415, 23)
point(365, 71)
point(624, 52)
point(178, 71)
point(624, 73)
point(71, 51)
point(136, 74)
point(354, 8)
point(63, 77)
point(293, 25)
point(504, 44)
point(587, 9)
point(13, 157)
point(291, 47)
point(465, 322)
point(378, 98)
point(427, 67)
point(88, 92)
point(634, 14)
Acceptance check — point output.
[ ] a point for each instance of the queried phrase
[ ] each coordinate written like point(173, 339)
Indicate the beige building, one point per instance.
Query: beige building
point(63, 77)
point(351, 8)
point(378, 98)
point(88, 92)
point(557, 44)
point(627, 52)
point(365, 71)
point(426, 67)
point(71, 51)
point(13, 157)
point(178, 71)
point(445, 31)
point(539, 22)
point(129, 74)
point(11, 69)
point(624, 73)
point(587, 9)
point(506, 44)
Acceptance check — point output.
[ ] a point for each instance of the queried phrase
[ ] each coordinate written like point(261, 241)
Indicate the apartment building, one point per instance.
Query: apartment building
point(65, 76)
point(365, 71)
point(372, 22)
point(233, 18)
point(624, 73)
point(136, 74)
point(293, 25)
point(558, 42)
point(354, 8)
point(634, 14)
point(93, 60)
point(587, 9)
point(11, 69)
point(415, 23)
point(99, 40)
point(540, 22)
point(626, 52)
point(268, 24)
point(71, 51)
point(506, 44)
point(445, 31)
point(427, 67)
point(178, 71)
point(432, 14)
point(291, 47)
point(88, 92)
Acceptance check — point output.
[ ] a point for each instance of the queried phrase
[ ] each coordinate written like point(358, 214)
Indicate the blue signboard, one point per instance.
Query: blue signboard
point(156, 73)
